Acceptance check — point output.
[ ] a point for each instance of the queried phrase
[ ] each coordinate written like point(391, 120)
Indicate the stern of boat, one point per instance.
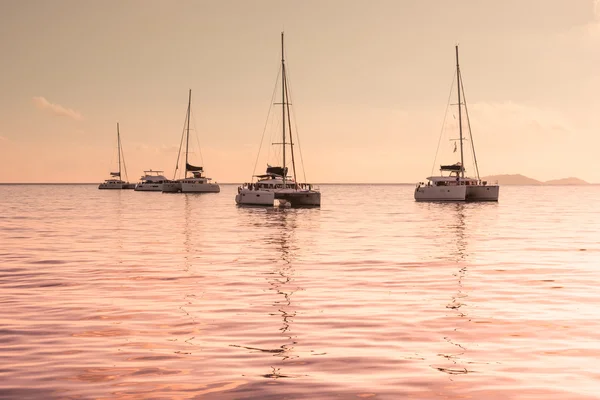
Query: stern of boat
point(483, 192)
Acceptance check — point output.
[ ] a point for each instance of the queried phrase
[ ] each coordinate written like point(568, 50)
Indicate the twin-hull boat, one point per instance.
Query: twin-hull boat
point(112, 184)
point(456, 186)
point(152, 181)
point(115, 182)
point(276, 186)
point(273, 190)
point(196, 183)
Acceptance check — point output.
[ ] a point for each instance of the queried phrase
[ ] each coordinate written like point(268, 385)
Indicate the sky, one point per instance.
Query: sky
point(370, 86)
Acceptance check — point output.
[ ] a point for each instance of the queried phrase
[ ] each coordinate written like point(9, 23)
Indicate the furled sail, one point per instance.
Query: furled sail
point(190, 167)
point(115, 174)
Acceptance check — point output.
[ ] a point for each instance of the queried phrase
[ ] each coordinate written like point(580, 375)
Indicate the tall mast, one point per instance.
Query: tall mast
point(462, 164)
point(283, 103)
point(187, 139)
point(119, 148)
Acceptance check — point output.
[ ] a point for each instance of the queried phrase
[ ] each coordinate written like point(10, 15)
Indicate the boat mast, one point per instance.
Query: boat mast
point(462, 164)
point(187, 139)
point(119, 148)
point(283, 103)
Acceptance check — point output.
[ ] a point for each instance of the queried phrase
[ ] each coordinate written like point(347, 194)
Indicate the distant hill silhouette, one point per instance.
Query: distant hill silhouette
point(566, 181)
point(518, 179)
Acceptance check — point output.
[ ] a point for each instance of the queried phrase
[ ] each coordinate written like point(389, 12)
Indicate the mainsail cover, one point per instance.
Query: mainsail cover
point(190, 167)
point(115, 174)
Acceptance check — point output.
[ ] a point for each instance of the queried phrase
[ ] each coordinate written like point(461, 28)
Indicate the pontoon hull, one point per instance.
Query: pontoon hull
point(255, 198)
point(300, 198)
point(171, 187)
point(441, 193)
point(110, 186)
point(149, 187)
point(200, 188)
point(483, 193)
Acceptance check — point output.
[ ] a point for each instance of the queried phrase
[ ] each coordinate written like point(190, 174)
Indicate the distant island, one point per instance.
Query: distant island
point(518, 179)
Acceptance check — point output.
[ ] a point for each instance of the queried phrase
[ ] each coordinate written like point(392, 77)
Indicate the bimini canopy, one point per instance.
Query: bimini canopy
point(454, 167)
point(279, 171)
point(190, 167)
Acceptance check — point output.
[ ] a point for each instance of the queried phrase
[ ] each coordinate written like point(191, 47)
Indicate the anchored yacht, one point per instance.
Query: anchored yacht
point(275, 184)
point(196, 183)
point(115, 182)
point(151, 181)
point(455, 186)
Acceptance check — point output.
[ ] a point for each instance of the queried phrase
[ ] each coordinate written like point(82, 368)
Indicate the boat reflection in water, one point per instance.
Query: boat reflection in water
point(276, 186)
point(280, 276)
point(453, 361)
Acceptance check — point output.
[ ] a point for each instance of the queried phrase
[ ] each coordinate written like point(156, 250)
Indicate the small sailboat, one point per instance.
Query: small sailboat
point(151, 181)
point(197, 182)
point(454, 185)
point(275, 183)
point(115, 182)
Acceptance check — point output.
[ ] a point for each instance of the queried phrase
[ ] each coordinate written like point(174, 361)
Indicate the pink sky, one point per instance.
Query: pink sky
point(370, 81)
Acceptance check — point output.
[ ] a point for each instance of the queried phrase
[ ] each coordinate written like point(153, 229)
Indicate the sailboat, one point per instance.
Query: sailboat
point(275, 183)
point(196, 183)
point(115, 182)
point(455, 186)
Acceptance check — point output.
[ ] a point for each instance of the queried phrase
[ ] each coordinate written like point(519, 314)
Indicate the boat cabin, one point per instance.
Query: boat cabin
point(273, 180)
point(453, 178)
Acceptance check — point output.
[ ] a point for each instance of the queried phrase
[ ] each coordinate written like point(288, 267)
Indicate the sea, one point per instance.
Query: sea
point(128, 295)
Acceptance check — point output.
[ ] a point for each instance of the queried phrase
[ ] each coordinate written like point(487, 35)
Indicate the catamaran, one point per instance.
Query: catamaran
point(455, 186)
point(196, 183)
point(275, 183)
point(151, 181)
point(115, 182)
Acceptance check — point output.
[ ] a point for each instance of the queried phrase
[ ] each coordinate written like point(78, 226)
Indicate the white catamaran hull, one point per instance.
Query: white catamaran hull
point(171, 187)
point(110, 186)
point(441, 193)
point(149, 187)
point(299, 198)
point(195, 187)
point(255, 197)
point(483, 193)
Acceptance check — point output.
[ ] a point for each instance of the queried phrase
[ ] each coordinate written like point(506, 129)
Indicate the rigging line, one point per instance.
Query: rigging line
point(444, 122)
point(197, 139)
point(287, 105)
point(266, 123)
point(112, 159)
point(180, 146)
point(469, 126)
point(291, 99)
point(124, 165)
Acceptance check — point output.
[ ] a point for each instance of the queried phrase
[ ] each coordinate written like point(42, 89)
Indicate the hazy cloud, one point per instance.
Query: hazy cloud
point(43, 104)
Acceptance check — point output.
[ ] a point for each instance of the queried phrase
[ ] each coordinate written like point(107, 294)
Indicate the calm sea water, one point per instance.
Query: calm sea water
point(126, 295)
